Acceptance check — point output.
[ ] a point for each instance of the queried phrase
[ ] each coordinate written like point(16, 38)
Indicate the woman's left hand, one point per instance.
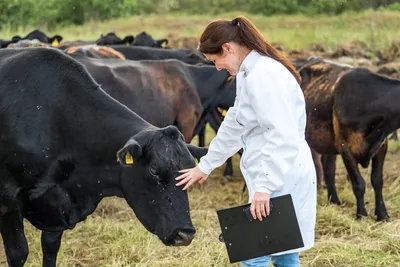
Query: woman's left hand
point(260, 205)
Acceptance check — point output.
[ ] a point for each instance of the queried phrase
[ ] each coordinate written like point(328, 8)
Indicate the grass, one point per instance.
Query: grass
point(376, 29)
point(112, 236)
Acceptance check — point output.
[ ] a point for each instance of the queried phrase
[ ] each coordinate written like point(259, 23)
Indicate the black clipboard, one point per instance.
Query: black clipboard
point(246, 238)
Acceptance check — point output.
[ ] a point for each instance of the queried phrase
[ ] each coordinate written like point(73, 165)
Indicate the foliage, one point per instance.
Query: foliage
point(52, 13)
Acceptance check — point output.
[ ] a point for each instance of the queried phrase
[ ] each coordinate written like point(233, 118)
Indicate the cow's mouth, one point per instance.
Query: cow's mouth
point(182, 237)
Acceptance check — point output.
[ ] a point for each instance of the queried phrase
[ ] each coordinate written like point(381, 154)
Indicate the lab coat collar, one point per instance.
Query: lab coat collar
point(249, 61)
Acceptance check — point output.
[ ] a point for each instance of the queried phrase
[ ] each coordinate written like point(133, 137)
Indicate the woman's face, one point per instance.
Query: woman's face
point(228, 59)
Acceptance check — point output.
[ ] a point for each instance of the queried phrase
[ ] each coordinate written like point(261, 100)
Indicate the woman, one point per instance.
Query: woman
point(268, 121)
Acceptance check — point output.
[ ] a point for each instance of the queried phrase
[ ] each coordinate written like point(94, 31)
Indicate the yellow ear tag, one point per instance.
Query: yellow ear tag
point(55, 43)
point(127, 43)
point(196, 161)
point(224, 112)
point(128, 158)
point(229, 78)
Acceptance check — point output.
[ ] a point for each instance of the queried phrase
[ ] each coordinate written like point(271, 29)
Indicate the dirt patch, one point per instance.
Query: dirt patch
point(391, 69)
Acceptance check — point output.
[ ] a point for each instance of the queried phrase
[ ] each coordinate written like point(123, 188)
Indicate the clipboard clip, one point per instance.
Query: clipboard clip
point(221, 238)
point(247, 211)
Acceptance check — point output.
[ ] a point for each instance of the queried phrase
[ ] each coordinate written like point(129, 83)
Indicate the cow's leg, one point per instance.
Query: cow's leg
point(11, 221)
point(377, 181)
point(202, 137)
point(51, 242)
point(318, 167)
point(12, 232)
point(329, 169)
point(357, 181)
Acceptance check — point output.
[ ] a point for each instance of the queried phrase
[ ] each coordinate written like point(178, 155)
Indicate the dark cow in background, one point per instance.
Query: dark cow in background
point(163, 92)
point(145, 39)
point(61, 138)
point(34, 35)
point(40, 36)
point(6, 43)
point(153, 53)
point(350, 111)
point(112, 39)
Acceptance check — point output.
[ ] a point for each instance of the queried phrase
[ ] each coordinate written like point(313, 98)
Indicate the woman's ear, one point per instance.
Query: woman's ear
point(228, 48)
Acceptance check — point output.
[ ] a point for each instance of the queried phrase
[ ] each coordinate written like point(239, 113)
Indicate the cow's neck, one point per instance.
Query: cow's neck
point(112, 126)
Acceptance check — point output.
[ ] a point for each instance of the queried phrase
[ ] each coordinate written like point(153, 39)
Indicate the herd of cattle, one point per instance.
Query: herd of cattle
point(67, 107)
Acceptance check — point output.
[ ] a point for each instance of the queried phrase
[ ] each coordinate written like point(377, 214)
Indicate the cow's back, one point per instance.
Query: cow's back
point(43, 98)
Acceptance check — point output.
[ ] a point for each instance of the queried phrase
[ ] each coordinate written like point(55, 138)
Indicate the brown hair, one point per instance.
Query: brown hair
point(243, 32)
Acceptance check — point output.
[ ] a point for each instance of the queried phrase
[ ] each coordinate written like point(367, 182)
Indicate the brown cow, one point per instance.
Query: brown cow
point(350, 111)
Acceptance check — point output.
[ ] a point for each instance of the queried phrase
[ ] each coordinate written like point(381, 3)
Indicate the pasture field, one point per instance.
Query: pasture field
point(112, 236)
point(376, 29)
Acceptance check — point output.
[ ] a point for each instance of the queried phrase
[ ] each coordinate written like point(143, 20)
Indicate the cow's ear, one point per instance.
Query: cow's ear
point(162, 43)
point(197, 152)
point(128, 40)
point(16, 38)
point(59, 38)
point(55, 40)
point(129, 153)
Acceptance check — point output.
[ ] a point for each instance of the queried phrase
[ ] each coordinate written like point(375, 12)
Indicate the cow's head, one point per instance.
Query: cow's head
point(152, 159)
point(145, 39)
point(112, 39)
point(196, 58)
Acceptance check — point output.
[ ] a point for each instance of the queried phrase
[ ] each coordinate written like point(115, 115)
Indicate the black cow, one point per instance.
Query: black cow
point(145, 39)
point(112, 39)
point(5, 43)
point(350, 111)
point(40, 36)
point(61, 136)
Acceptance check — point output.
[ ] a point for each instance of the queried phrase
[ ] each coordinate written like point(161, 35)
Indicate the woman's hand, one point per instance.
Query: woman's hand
point(191, 176)
point(260, 205)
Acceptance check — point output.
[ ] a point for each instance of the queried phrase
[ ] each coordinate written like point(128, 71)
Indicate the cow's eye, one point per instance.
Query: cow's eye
point(153, 171)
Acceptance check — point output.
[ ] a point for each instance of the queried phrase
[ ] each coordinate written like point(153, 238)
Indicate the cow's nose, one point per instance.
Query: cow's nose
point(184, 237)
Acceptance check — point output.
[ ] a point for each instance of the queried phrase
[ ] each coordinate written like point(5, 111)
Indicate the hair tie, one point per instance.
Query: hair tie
point(235, 22)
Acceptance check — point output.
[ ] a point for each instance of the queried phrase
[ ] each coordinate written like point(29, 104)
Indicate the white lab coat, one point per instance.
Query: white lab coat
point(268, 121)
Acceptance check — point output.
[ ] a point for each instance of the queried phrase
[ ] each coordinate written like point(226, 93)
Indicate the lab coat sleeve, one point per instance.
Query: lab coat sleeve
point(226, 143)
point(271, 102)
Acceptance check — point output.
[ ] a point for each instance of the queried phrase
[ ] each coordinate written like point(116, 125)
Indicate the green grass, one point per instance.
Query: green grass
point(376, 29)
point(112, 236)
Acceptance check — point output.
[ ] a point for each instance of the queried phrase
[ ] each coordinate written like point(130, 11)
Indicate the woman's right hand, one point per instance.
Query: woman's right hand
point(191, 176)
